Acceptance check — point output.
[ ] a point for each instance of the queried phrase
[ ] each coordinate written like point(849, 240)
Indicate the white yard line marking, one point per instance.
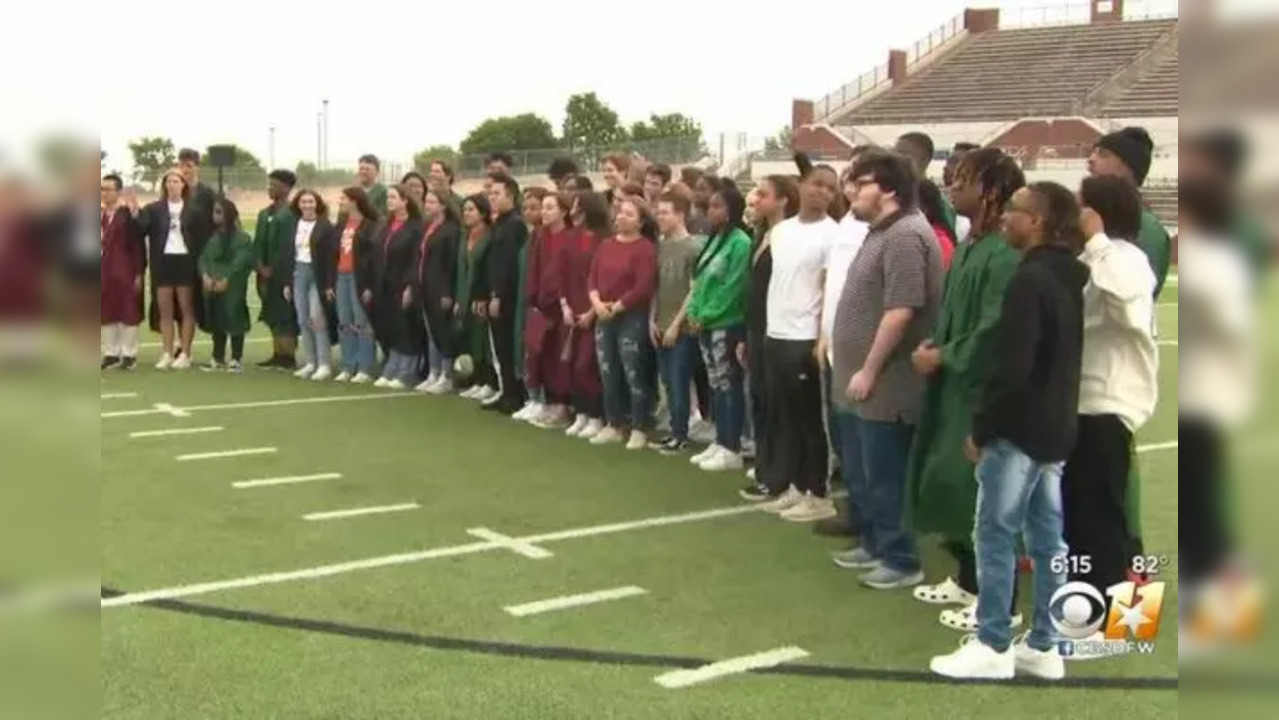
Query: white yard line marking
point(1173, 343)
point(732, 666)
point(165, 408)
point(288, 480)
point(527, 549)
point(176, 431)
point(572, 601)
point(1166, 305)
point(1157, 446)
point(206, 341)
point(173, 410)
point(118, 396)
point(414, 557)
point(356, 512)
point(227, 454)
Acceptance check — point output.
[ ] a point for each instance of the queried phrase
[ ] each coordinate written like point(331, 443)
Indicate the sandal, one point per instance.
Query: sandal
point(947, 592)
point(965, 619)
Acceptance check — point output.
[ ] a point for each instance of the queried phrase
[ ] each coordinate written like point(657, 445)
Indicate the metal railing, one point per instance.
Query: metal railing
point(1077, 13)
point(825, 108)
point(934, 41)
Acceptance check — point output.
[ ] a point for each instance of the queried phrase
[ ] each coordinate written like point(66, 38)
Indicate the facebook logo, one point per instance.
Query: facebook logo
point(1065, 648)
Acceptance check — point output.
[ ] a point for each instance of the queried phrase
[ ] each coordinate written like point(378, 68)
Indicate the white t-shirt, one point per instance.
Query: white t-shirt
point(175, 243)
point(302, 241)
point(799, 265)
point(963, 226)
point(840, 254)
point(1218, 351)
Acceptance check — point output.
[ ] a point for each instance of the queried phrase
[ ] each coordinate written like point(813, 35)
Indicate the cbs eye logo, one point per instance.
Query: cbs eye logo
point(1078, 611)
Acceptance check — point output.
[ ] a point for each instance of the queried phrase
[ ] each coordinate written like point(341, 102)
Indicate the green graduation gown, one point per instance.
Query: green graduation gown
point(472, 330)
point(521, 306)
point(230, 258)
point(941, 489)
point(1154, 241)
point(272, 239)
point(377, 196)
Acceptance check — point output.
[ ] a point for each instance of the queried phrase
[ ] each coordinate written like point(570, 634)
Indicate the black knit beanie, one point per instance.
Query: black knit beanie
point(1134, 147)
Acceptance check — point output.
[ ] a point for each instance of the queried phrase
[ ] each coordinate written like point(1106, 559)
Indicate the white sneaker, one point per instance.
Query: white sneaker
point(165, 362)
point(469, 392)
point(722, 461)
point(975, 660)
point(424, 386)
point(784, 502)
point(361, 379)
point(531, 410)
point(810, 509)
point(492, 398)
point(711, 451)
point(702, 431)
point(395, 385)
point(342, 377)
point(946, 592)
point(1043, 664)
point(965, 618)
point(443, 386)
point(750, 473)
point(305, 371)
point(488, 395)
point(381, 382)
point(637, 441)
point(182, 362)
point(593, 427)
point(432, 378)
point(322, 373)
point(552, 417)
point(606, 436)
point(579, 424)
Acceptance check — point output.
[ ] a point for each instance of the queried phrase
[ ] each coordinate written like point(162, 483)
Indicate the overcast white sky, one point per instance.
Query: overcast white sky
point(427, 71)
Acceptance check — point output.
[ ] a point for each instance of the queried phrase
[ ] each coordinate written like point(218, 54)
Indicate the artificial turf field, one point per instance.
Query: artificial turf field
point(264, 614)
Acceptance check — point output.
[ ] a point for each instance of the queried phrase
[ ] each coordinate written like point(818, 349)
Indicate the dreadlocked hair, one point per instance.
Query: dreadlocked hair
point(997, 176)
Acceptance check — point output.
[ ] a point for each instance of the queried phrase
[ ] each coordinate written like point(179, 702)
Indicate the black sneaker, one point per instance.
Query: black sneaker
point(110, 361)
point(270, 363)
point(128, 363)
point(756, 492)
point(670, 445)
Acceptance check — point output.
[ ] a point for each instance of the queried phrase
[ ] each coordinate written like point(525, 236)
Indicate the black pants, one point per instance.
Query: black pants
point(756, 385)
point(702, 384)
point(1203, 534)
point(503, 329)
point(219, 347)
point(1094, 493)
point(797, 436)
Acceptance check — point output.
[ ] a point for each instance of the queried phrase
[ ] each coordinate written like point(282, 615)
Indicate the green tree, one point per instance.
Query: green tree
point(247, 171)
point(669, 125)
point(151, 157)
point(511, 132)
point(783, 140)
point(312, 177)
point(590, 122)
point(422, 160)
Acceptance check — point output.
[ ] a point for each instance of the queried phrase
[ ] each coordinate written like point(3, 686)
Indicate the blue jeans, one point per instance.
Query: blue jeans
point(355, 332)
point(311, 319)
point(1016, 494)
point(675, 364)
point(728, 383)
point(619, 347)
point(877, 487)
point(437, 363)
point(400, 366)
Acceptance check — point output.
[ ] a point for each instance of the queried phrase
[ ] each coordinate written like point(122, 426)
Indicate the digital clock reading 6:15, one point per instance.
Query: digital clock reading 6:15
point(1071, 564)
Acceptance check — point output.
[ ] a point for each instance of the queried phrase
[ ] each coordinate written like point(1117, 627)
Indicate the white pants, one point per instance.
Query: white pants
point(119, 340)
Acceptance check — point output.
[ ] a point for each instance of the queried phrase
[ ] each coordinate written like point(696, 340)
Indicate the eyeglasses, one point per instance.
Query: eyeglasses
point(864, 181)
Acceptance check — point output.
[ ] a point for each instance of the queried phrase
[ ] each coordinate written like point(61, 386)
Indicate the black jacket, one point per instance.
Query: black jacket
point(324, 242)
point(1032, 397)
point(501, 276)
point(366, 249)
point(437, 276)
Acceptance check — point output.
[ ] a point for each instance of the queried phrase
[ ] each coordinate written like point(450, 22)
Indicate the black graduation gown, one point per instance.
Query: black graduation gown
point(324, 243)
point(152, 223)
point(367, 246)
point(438, 281)
point(397, 328)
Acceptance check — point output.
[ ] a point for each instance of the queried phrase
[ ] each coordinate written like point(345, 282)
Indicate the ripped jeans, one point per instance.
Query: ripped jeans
point(728, 395)
point(620, 346)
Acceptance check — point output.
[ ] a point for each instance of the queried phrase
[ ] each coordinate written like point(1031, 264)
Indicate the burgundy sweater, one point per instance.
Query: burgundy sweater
point(626, 272)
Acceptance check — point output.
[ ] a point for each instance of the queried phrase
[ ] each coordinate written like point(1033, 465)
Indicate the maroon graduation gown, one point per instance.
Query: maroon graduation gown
point(123, 261)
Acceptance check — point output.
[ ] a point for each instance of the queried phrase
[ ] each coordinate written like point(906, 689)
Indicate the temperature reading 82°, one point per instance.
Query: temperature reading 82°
point(1149, 564)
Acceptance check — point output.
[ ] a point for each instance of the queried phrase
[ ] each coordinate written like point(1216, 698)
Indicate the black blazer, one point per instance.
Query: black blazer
point(396, 256)
point(324, 242)
point(153, 224)
point(366, 250)
point(438, 276)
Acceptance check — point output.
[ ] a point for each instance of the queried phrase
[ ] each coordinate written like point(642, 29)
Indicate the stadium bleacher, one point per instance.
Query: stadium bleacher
point(1155, 94)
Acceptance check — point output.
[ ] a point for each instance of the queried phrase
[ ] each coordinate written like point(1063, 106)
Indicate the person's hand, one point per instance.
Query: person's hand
point(288, 293)
point(819, 352)
point(567, 313)
point(616, 308)
point(585, 319)
point(366, 297)
point(1091, 223)
point(446, 304)
point(861, 386)
point(671, 336)
point(330, 295)
point(926, 358)
point(971, 451)
point(495, 308)
point(137, 284)
point(221, 285)
point(206, 282)
point(655, 333)
point(740, 351)
point(265, 272)
point(480, 309)
point(406, 298)
point(130, 199)
point(694, 326)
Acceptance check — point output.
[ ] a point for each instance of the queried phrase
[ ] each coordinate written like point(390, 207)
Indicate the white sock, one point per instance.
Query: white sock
point(128, 341)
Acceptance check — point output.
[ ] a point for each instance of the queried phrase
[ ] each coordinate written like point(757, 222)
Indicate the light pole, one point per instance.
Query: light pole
point(319, 141)
point(325, 146)
point(271, 148)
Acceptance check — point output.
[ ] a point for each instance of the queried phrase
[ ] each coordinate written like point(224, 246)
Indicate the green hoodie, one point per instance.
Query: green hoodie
point(719, 281)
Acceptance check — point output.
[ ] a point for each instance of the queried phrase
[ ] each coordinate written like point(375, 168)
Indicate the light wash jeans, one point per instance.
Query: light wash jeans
point(437, 363)
point(400, 366)
point(355, 332)
point(1016, 494)
point(728, 383)
point(311, 319)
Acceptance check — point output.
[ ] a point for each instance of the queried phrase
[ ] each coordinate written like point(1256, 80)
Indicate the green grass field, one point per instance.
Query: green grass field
point(257, 617)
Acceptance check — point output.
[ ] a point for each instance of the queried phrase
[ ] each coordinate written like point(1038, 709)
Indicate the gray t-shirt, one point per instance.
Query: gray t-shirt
point(898, 266)
point(676, 260)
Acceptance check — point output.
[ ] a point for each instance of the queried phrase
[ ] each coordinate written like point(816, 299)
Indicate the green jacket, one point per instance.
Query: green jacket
point(377, 196)
point(719, 281)
point(1154, 241)
point(941, 491)
point(230, 258)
